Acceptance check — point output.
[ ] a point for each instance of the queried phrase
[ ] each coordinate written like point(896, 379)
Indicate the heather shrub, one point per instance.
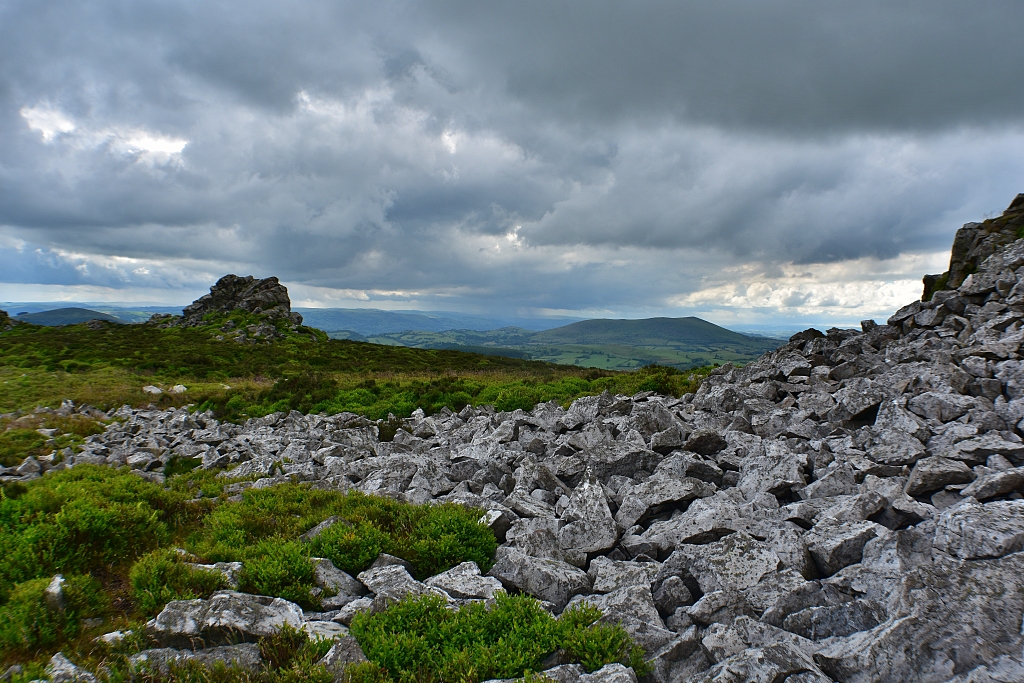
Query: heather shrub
point(162, 576)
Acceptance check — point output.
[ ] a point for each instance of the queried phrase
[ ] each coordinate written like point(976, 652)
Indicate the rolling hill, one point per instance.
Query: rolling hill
point(608, 344)
point(65, 316)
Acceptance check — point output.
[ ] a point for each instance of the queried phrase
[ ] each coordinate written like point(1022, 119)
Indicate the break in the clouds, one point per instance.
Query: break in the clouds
point(739, 160)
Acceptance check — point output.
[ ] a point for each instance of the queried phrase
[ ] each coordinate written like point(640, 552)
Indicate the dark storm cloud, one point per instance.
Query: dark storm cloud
point(793, 65)
point(563, 155)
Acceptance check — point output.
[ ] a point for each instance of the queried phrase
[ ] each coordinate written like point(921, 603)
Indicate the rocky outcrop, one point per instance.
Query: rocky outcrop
point(849, 507)
point(974, 243)
point(232, 292)
point(6, 322)
point(267, 299)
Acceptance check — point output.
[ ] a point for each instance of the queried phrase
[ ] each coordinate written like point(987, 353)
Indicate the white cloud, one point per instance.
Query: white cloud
point(48, 121)
point(145, 146)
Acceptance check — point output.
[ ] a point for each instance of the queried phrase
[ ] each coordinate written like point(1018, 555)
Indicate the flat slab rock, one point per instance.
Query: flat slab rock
point(226, 618)
point(159, 660)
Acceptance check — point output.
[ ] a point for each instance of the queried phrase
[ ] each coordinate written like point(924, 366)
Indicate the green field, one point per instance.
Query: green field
point(109, 366)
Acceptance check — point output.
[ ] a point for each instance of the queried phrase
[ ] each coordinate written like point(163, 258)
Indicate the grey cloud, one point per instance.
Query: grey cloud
point(633, 148)
point(793, 65)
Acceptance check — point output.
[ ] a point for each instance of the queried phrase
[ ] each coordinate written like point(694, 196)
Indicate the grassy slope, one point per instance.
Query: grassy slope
point(108, 367)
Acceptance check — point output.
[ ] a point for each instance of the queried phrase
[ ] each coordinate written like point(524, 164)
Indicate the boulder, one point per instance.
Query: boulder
point(392, 582)
point(936, 472)
point(60, 669)
point(590, 526)
point(332, 579)
point(226, 618)
point(943, 621)
point(550, 580)
point(610, 575)
point(465, 582)
point(835, 545)
point(781, 662)
point(244, 656)
point(343, 652)
point(974, 531)
point(778, 471)
point(734, 563)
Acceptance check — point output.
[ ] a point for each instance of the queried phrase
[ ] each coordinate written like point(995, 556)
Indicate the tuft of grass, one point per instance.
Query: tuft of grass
point(420, 639)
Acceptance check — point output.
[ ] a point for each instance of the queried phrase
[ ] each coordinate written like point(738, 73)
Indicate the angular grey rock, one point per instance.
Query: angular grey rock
point(590, 526)
point(734, 563)
point(973, 531)
point(54, 596)
point(329, 577)
point(835, 545)
point(994, 484)
point(719, 607)
point(633, 608)
point(705, 442)
point(350, 609)
point(620, 457)
point(631, 601)
point(60, 669)
point(318, 529)
point(671, 595)
point(941, 407)
point(826, 621)
point(611, 575)
point(667, 441)
point(550, 580)
point(778, 471)
point(652, 497)
point(465, 582)
point(610, 673)
point(781, 662)
point(943, 622)
point(244, 656)
point(936, 472)
point(343, 652)
point(226, 618)
point(390, 583)
point(838, 481)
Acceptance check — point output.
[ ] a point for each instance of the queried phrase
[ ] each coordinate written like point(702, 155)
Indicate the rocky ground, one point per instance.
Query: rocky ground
point(847, 508)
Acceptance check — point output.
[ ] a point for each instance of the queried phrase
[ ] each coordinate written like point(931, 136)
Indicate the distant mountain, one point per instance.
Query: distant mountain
point(65, 316)
point(671, 332)
point(607, 344)
point(371, 321)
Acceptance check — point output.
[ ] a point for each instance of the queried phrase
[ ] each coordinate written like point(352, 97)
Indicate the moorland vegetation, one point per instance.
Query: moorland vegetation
point(126, 546)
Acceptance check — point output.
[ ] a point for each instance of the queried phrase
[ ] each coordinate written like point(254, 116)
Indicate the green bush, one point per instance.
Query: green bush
point(162, 576)
point(351, 548)
point(28, 625)
point(81, 520)
point(431, 537)
point(421, 639)
point(279, 568)
point(448, 535)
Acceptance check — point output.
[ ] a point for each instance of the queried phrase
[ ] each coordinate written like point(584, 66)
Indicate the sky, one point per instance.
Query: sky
point(745, 161)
